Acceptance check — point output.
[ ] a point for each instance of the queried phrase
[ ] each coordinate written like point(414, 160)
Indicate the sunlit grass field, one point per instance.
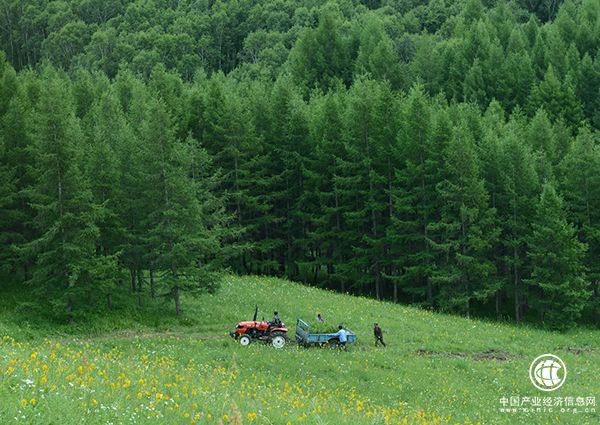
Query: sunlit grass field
point(146, 366)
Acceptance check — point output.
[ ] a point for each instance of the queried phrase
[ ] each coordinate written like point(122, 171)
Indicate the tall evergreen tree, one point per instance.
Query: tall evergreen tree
point(363, 184)
point(557, 277)
point(326, 223)
point(580, 180)
point(416, 202)
point(182, 239)
point(67, 271)
point(108, 136)
point(321, 58)
point(465, 232)
point(516, 206)
point(16, 224)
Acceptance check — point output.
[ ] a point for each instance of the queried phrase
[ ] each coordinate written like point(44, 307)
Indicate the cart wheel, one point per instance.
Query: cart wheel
point(245, 340)
point(333, 343)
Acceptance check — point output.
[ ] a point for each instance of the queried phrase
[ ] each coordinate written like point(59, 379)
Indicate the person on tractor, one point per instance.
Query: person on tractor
point(276, 320)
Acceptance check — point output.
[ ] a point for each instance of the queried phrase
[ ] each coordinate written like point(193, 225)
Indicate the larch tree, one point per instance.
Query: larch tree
point(465, 232)
point(557, 278)
point(580, 180)
point(180, 237)
point(67, 271)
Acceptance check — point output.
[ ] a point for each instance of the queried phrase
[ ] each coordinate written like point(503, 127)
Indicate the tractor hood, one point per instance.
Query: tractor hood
point(251, 323)
point(262, 325)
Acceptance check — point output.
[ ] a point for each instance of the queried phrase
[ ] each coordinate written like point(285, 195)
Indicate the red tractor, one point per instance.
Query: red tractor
point(274, 332)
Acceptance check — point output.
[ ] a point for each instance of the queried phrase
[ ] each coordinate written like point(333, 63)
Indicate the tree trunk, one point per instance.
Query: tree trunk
point(133, 277)
point(152, 289)
point(109, 301)
point(70, 317)
point(177, 305)
point(377, 282)
point(595, 302)
point(395, 291)
point(140, 275)
point(498, 305)
point(468, 308)
point(516, 283)
point(429, 291)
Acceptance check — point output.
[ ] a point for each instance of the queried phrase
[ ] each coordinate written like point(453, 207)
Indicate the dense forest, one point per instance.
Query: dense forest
point(444, 153)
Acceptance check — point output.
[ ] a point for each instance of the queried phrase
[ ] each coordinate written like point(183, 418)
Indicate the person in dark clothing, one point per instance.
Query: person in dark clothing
point(378, 335)
point(276, 320)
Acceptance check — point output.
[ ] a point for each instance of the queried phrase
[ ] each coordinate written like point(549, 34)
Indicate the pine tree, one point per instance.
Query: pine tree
point(286, 154)
point(557, 99)
point(557, 277)
point(67, 272)
point(540, 136)
point(376, 53)
point(320, 58)
point(465, 233)
point(516, 205)
point(16, 225)
point(416, 202)
point(183, 238)
point(8, 189)
point(108, 135)
point(363, 184)
point(580, 180)
point(518, 74)
point(326, 223)
point(474, 87)
point(589, 85)
point(492, 165)
point(230, 138)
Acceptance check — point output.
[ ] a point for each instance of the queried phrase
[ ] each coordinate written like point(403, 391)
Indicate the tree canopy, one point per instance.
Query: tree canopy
point(423, 152)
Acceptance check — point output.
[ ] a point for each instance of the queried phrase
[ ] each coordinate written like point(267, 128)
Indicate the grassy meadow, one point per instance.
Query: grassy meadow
point(146, 366)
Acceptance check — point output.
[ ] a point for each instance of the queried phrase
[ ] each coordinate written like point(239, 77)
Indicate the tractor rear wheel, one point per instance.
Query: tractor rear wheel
point(278, 339)
point(244, 340)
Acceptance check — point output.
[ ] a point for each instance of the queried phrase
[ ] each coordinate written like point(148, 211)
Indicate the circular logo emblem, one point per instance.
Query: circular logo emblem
point(547, 372)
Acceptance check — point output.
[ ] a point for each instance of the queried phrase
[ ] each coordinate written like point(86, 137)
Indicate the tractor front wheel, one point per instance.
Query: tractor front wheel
point(244, 340)
point(278, 340)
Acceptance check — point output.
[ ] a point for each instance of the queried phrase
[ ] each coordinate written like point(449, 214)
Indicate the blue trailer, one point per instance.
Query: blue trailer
point(305, 338)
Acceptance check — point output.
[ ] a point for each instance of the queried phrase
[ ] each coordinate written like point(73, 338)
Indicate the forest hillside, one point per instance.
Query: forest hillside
point(441, 153)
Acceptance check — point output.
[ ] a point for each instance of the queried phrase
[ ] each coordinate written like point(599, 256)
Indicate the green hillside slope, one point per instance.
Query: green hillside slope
point(437, 369)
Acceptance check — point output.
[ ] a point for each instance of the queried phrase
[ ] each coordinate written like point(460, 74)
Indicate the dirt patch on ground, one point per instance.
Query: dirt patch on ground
point(581, 350)
point(490, 354)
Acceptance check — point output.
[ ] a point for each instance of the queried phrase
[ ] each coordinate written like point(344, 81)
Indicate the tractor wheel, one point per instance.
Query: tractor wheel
point(244, 340)
point(278, 340)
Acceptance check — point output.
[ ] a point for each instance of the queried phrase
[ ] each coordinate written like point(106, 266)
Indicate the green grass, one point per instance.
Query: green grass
point(146, 366)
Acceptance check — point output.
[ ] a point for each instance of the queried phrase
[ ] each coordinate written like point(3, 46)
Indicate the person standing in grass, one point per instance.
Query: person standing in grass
point(319, 318)
point(378, 335)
